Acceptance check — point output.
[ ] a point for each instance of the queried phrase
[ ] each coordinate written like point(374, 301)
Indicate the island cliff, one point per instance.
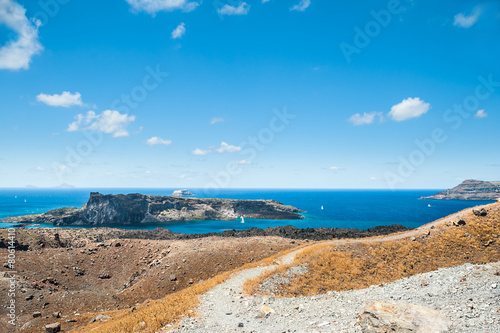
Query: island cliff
point(139, 208)
point(470, 189)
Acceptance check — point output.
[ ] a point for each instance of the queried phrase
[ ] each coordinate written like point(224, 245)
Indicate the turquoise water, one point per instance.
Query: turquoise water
point(360, 209)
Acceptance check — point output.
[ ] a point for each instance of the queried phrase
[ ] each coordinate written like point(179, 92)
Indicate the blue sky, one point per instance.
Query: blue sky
point(285, 94)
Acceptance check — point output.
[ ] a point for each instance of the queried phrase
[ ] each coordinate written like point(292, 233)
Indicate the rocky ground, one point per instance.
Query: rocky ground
point(115, 274)
point(468, 296)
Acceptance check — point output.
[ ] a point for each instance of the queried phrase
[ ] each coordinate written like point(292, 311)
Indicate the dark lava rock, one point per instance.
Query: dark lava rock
point(480, 212)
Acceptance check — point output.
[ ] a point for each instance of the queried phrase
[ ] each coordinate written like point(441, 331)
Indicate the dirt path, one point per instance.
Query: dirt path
point(221, 308)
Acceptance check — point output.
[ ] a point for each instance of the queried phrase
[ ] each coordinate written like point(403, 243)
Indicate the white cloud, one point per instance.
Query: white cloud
point(109, 122)
point(365, 119)
point(179, 31)
point(154, 6)
point(481, 114)
point(15, 55)
point(158, 141)
point(216, 120)
point(409, 108)
point(65, 100)
point(243, 162)
point(241, 9)
point(373, 178)
point(302, 5)
point(225, 148)
point(467, 21)
point(334, 168)
point(201, 152)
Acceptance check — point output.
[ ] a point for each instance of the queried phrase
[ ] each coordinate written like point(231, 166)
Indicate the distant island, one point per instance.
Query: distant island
point(470, 189)
point(139, 208)
point(182, 193)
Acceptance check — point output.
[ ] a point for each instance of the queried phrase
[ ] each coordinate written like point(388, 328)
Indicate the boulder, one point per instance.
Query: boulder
point(104, 276)
point(37, 314)
point(382, 317)
point(480, 212)
point(53, 328)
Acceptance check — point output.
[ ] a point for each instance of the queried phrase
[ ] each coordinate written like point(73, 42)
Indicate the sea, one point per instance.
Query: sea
point(360, 209)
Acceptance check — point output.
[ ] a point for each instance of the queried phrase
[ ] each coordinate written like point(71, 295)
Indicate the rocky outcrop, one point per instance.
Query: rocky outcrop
point(382, 317)
point(470, 190)
point(139, 208)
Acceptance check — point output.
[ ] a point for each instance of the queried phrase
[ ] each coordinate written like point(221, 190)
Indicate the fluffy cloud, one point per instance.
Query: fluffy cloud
point(302, 5)
point(241, 9)
point(15, 55)
point(466, 21)
point(245, 162)
point(481, 114)
point(158, 141)
point(154, 6)
point(223, 148)
point(179, 31)
point(364, 119)
point(65, 100)
point(201, 152)
point(216, 120)
point(109, 122)
point(409, 108)
point(334, 168)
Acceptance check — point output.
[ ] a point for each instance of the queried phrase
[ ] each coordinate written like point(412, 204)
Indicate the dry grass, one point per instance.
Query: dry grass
point(360, 264)
point(152, 315)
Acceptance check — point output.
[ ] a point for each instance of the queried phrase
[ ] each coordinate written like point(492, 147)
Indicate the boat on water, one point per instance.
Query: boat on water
point(242, 219)
point(322, 208)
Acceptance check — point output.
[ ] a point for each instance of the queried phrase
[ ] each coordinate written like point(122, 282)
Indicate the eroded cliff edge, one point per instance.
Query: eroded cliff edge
point(139, 208)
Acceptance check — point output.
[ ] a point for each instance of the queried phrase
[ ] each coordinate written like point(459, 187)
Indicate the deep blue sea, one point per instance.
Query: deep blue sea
point(360, 209)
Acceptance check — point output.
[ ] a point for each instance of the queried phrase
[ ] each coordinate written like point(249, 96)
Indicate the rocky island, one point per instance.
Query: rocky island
point(182, 193)
point(139, 208)
point(470, 189)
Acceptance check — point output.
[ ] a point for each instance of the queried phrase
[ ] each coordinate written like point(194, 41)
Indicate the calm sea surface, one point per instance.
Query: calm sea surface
point(360, 209)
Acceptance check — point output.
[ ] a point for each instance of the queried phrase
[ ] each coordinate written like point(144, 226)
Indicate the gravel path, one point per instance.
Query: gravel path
point(468, 295)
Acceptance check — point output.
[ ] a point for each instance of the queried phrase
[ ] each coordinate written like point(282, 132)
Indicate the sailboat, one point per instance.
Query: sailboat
point(242, 219)
point(322, 208)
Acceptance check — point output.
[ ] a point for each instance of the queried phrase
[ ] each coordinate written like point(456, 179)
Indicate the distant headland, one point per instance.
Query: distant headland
point(470, 189)
point(139, 208)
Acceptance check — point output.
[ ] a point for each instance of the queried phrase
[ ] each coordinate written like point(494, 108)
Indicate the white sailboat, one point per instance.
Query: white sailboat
point(322, 208)
point(242, 219)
